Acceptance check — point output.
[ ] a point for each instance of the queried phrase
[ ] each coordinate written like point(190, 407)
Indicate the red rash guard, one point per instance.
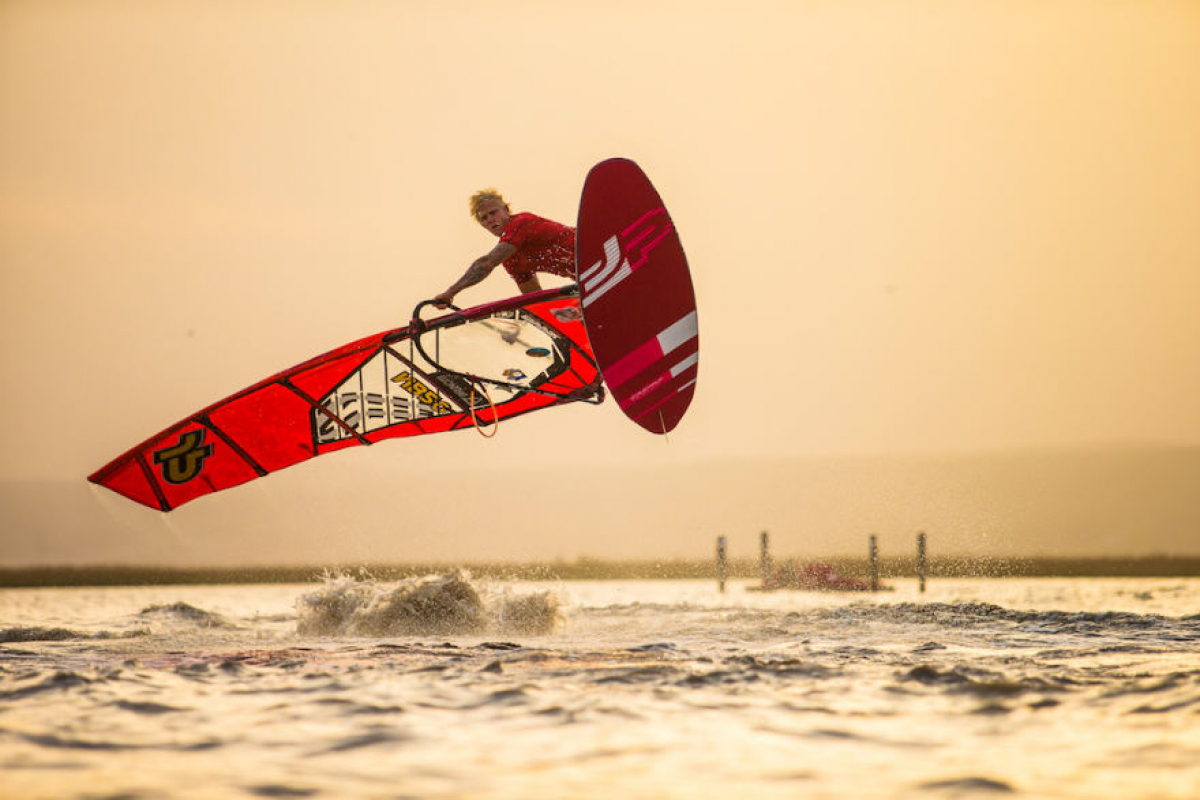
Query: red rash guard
point(542, 246)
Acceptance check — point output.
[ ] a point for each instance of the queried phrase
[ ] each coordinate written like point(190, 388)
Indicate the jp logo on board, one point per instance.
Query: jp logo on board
point(624, 254)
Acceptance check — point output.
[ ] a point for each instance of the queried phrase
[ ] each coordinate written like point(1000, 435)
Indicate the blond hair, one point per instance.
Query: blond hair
point(482, 195)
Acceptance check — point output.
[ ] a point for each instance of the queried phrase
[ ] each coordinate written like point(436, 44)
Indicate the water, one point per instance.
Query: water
point(449, 688)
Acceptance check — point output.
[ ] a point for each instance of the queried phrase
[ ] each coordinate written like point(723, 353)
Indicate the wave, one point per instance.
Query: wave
point(41, 683)
point(437, 605)
point(185, 612)
point(966, 615)
point(40, 634)
point(36, 634)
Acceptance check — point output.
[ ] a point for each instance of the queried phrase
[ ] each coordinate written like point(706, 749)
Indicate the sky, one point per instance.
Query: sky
point(914, 228)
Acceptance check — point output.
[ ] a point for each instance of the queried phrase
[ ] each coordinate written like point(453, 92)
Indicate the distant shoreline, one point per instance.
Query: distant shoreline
point(595, 569)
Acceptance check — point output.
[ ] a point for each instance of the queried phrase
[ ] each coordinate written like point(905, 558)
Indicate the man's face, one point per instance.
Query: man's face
point(493, 215)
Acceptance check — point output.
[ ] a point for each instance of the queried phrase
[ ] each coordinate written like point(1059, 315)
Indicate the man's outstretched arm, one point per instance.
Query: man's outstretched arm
point(480, 268)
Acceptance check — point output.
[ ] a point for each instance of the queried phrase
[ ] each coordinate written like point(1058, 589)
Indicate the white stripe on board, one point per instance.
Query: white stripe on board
point(677, 333)
point(612, 258)
point(684, 365)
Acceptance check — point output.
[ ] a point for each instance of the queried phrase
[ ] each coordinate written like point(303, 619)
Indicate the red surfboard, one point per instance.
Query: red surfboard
point(636, 293)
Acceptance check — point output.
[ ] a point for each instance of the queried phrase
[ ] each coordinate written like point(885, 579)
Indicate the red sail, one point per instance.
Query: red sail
point(466, 369)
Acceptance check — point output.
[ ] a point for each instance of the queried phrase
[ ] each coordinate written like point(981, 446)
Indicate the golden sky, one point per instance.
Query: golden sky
point(914, 227)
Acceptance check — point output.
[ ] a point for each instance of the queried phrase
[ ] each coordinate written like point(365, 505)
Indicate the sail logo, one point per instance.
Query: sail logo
point(380, 393)
point(571, 313)
point(184, 460)
point(423, 393)
point(625, 253)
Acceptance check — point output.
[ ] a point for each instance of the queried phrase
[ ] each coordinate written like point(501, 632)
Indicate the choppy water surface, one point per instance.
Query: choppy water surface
point(457, 688)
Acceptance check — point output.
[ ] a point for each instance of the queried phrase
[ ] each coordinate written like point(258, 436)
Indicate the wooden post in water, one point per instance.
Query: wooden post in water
point(922, 565)
point(874, 563)
point(764, 558)
point(722, 563)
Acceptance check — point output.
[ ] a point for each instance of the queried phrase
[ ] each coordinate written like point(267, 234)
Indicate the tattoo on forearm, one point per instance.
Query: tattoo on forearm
point(474, 274)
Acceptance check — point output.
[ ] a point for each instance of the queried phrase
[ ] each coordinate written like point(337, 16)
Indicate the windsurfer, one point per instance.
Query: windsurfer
point(528, 244)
